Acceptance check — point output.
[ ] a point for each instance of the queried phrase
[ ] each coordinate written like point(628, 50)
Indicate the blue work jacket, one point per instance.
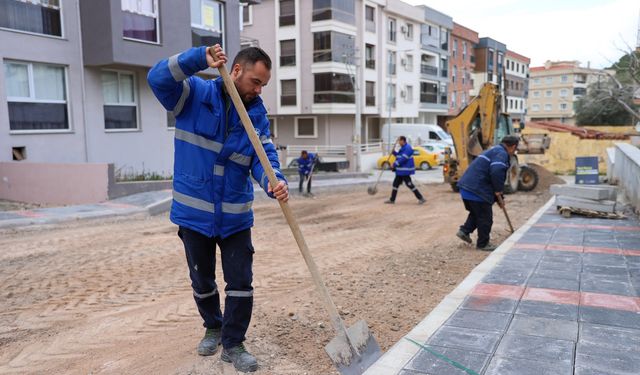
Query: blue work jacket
point(404, 164)
point(486, 174)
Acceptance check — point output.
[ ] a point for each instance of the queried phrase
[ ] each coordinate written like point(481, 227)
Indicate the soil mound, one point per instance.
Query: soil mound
point(546, 178)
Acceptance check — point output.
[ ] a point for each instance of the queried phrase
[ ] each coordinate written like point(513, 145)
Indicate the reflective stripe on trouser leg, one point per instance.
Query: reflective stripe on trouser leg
point(237, 259)
point(200, 253)
point(394, 191)
point(410, 185)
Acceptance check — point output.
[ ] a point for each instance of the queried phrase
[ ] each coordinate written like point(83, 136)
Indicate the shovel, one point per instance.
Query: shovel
point(372, 190)
point(353, 350)
point(504, 209)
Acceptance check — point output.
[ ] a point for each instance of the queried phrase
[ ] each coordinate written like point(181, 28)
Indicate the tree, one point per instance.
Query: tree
point(611, 101)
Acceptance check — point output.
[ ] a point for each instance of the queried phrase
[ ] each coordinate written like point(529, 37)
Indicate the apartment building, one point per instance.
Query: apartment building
point(490, 56)
point(323, 48)
point(461, 65)
point(74, 85)
point(434, 66)
point(556, 86)
point(516, 86)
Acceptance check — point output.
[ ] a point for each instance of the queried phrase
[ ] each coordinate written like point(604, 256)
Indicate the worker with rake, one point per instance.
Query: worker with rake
point(404, 168)
point(306, 163)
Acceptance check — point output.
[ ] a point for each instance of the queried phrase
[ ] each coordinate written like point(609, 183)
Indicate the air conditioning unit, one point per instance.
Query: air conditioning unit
point(403, 29)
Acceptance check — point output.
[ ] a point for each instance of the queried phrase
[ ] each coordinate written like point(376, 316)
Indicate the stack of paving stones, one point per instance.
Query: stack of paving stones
point(563, 300)
point(599, 198)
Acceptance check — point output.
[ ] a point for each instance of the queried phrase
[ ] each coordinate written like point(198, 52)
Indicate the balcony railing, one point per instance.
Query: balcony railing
point(370, 101)
point(370, 64)
point(429, 98)
point(427, 69)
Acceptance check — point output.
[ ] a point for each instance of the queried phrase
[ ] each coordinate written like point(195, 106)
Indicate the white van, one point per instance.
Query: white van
point(417, 134)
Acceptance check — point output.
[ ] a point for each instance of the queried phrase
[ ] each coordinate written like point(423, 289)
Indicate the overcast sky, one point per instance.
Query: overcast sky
point(584, 30)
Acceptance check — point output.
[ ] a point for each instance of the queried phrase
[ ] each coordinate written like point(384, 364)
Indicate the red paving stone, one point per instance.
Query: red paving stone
point(631, 252)
point(610, 301)
point(576, 249)
point(602, 250)
point(552, 295)
point(27, 213)
point(498, 290)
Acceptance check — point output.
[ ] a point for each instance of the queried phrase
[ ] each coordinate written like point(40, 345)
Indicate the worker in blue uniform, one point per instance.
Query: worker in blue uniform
point(306, 163)
point(212, 191)
point(404, 167)
point(480, 186)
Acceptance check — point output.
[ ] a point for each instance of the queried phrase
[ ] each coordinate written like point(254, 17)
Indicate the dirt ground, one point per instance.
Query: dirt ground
point(114, 296)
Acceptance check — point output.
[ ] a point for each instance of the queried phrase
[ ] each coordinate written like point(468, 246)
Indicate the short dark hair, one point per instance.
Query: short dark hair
point(402, 138)
point(304, 152)
point(252, 55)
point(510, 140)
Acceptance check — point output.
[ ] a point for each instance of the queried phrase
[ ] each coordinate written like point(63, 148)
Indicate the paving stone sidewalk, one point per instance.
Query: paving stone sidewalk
point(562, 299)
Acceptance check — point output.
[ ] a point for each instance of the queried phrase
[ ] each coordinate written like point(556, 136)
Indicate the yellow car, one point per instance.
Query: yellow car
point(421, 158)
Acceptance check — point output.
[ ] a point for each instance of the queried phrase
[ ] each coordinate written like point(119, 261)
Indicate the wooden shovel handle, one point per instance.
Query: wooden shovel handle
point(337, 322)
point(504, 209)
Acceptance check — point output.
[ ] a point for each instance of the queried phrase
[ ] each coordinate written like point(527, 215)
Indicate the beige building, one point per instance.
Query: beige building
point(555, 87)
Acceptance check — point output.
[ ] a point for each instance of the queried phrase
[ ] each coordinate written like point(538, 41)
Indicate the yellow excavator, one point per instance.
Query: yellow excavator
point(478, 127)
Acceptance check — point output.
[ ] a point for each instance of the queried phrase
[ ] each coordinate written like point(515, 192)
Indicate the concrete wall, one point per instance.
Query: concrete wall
point(627, 172)
point(54, 183)
point(565, 147)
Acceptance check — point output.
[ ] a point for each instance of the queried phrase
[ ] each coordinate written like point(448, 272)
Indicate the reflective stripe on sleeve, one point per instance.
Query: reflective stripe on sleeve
point(175, 69)
point(218, 170)
point(186, 89)
point(240, 159)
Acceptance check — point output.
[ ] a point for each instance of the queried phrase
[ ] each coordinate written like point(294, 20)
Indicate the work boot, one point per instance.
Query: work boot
point(209, 343)
point(463, 236)
point(488, 247)
point(389, 201)
point(422, 201)
point(242, 360)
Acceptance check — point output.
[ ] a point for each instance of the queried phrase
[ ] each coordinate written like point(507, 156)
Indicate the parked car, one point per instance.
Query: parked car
point(421, 158)
point(438, 149)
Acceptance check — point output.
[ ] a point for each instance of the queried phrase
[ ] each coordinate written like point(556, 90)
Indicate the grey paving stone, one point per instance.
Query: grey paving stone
point(484, 320)
point(590, 371)
point(610, 260)
point(519, 258)
point(552, 283)
point(614, 338)
point(517, 366)
point(558, 274)
point(427, 363)
point(555, 266)
point(609, 317)
point(562, 257)
point(596, 285)
point(488, 303)
point(596, 357)
point(465, 338)
point(589, 270)
point(541, 239)
point(506, 278)
point(535, 348)
point(544, 327)
point(547, 310)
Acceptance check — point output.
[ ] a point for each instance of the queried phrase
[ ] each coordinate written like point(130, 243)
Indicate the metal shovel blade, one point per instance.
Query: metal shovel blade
point(372, 190)
point(356, 359)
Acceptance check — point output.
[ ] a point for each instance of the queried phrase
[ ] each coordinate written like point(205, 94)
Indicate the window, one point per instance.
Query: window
point(563, 106)
point(370, 18)
point(288, 95)
point(391, 30)
point(333, 88)
point(464, 74)
point(35, 16)
point(536, 81)
point(535, 107)
point(444, 64)
point(548, 94)
point(391, 95)
point(306, 127)
point(453, 99)
point(391, 63)
point(464, 50)
point(428, 92)
point(140, 19)
point(288, 52)
point(564, 93)
point(549, 80)
point(120, 108)
point(443, 93)
point(547, 107)
point(444, 39)
point(408, 97)
point(510, 103)
point(273, 127)
point(564, 78)
point(408, 63)
point(454, 51)
point(207, 22)
point(332, 46)
point(370, 56)
point(454, 73)
point(287, 12)
point(338, 10)
point(579, 91)
point(370, 93)
point(410, 31)
point(36, 96)
point(247, 14)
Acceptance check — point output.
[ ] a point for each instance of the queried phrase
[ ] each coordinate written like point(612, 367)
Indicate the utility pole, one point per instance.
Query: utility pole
point(353, 58)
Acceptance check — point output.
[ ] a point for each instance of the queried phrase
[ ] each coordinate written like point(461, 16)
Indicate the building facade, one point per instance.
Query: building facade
point(489, 56)
point(516, 86)
point(461, 65)
point(555, 87)
point(395, 53)
point(78, 92)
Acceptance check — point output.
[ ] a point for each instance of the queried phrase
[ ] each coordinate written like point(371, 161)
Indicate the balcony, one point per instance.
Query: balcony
point(429, 70)
point(429, 98)
point(370, 64)
point(370, 101)
point(444, 73)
